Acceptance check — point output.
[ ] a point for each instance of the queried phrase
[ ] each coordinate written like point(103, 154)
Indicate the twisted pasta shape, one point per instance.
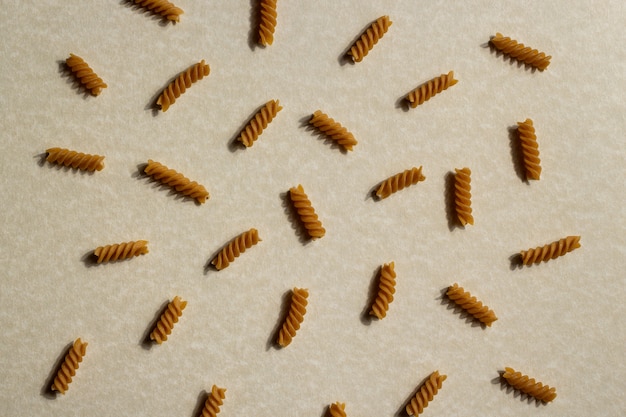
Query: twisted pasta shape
point(337, 409)
point(76, 160)
point(463, 196)
point(530, 149)
point(529, 385)
point(213, 402)
point(386, 290)
point(369, 38)
point(430, 88)
point(426, 393)
point(259, 122)
point(550, 251)
point(85, 74)
point(520, 52)
point(182, 83)
point(297, 310)
point(333, 130)
point(268, 22)
point(235, 247)
point(400, 181)
point(177, 181)
point(163, 8)
point(468, 303)
point(166, 323)
point(69, 366)
point(306, 212)
point(120, 251)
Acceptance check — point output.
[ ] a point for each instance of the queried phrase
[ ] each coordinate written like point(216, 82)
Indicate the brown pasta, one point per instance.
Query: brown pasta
point(69, 366)
point(120, 251)
point(386, 290)
point(425, 394)
point(177, 181)
point(529, 386)
point(182, 83)
point(306, 212)
point(550, 251)
point(369, 38)
point(520, 52)
point(76, 160)
point(297, 310)
point(85, 75)
point(399, 182)
point(166, 323)
point(337, 409)
point(530, 149)
point(430, 88)
point(333, 130)
point(467, 302)
point(463, 196)
point(234, 248)
point(259, 122)
point(162, 7)
point(268, 22)
point(213, 402)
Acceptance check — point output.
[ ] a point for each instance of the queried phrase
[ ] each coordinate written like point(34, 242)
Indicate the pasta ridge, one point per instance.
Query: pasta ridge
point(463, 196)
point(177, 181)
point(69, 366)
point(306, 212)
point(297, 310)
point(259, 122)
point(182, 83)
point(399, 182)
point(235, 247)
point(425, 394)
point(337, 409)
point(268, 22)
point(85, 75)
point(470, 304)
point(369, 38)
point(333, 130)
point(521, 52)
point(530, 149)
point(386, 290)
point(528, 385)
point(120, 251)
point(76, 160)
point(213, 402)
point(550, 251)
point(431, 88)
point(166, 323)
point(162, 7)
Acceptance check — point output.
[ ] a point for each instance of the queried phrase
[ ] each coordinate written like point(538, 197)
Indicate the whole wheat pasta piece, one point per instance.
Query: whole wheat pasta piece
point(120, 251)
point(297, 310)
point(430, 88)
point(176, 180)
point(386, 290)
point(467, 302)
point(259, 122)
point(520, 52)
point(426, 393)
point(268, 22)
point(85, 74)
point(337, 409)
point(550, 251)
point(235, 247)
point(162, 7)
point(213, 402)
point(333, 130)
point(399, 182)
point(182, 83)
point(463, 196)
point(530, 149)
point(69, 366)
point(166, 323)
point(76, 160)
point(529, 385)
point(306, 212)
point(369, 38)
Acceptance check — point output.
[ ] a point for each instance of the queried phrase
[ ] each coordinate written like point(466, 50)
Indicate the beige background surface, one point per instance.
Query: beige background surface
point(561, 322)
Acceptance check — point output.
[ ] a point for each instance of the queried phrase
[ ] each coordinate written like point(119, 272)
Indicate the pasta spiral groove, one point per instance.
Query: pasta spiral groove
point(120, 251)
point(69, 366)
point(213, 402)
point(520, 52)
point(177, 181)
point(399, 182)
point(166, 323)
point(268, 22)
point(85, 75)
point(369, 38)
point(337, 409)
point(182, 83)
point(530, 149)
point(163, 8)
point(529, 385)
point(234, 248)
point(306, 212)
point(333, 130)
point(386, 290)
point(431, 88)
point(259, 122)
point(467, 302)
point(426, 393)
point(550, 251)
point(76, 160)
point(463, 196)
point(295, 317)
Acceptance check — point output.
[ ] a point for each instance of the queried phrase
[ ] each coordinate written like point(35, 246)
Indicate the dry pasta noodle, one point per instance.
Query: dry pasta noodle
point(161, 7)
point(430, 88)
point(467, 302)
point(463, 196)
point(528, 385)
point(259, 122)
point(120, 251)
point(550, 251)
point(333, 130)
point(530, 149)
point(425, 394)
point(76, 160)
point(69, 366)
point(182, 83)
point(386, 290)
point(520, 52)
point(213, 402)
point(399, 182)
point(85, 75)
point(306, 212)
point(297, 310)
point(234, 248)
point(166, 323)
point(177, 181)
point(337, 409)
point(268, 22)
point(369, 38)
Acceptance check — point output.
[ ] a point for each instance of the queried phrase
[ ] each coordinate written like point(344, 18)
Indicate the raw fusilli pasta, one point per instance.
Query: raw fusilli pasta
point(235, 247)
point(213, 402)
point(85, 74)
point(120, 251)
point(69, 366)
point(369, 38)
point(268, 22)
point(426, 393)
point(520, 52)
point(163, 8)
point(76, 160)
point(177, 181)
point(259, 122)
point(306, 212)
point(463, 196)
point(297, 310)
point(166, 323)
point(337, 409)
point(550, 251)
point(386, 290)
point(182, 83)
point(333, 130)
point(530, 149)
point(430, 88)
point(400, 181)
point(529, 385)
point(470, 304)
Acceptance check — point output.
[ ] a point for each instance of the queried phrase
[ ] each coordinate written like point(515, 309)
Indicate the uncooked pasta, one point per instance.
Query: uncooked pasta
point(528, 385)
point(235, 247)
point(306, 212)
point(333, 130)
point(530, 149)
point(120, 251)
point(259, 122)
point(182, 83)
point(268, 22)
point(85, 75)
point(76, 160)
point(297, 310)
point(463, 196)
point(399, 182)
point(177, 181)
point(521, 52)
point(430, 88)
point(213, 402)
point(386, 290)
point(369, 38)
point(162, 7)
point(166, 323)
point(69, 366)
point(337, 409)
point(550, 251)
point(467, 302)
point(425, 394)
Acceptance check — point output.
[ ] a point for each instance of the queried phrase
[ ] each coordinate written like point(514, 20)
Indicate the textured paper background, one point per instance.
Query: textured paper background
point(561, 322)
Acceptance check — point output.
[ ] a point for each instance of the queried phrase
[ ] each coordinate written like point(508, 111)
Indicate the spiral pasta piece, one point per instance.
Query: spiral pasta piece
point(297, 310)
point(213, 402)
point(369, 38)
point(463, 196)
point(399, 182)
point(425, 394)
point(430, 88)
point(177, 181)
point(259, 122)
point(182, 83)
point(550, 251)
point(85, 75)
point(333, 130)
point(530, 149)
point(386, 290)
point(234, 248)
point(69, 366)
point(120, 251)
point(528, 385)
point(166, 323)
point(520, 52)
point(162, 7)
point(467, 302)
point(268, 22)
point(306, 212)
point(76, 160)
point(337, 409)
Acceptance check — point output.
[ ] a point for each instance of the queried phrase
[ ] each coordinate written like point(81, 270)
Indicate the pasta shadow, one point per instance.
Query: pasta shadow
point(517, 156)
point(89, 259)
point(449, 196)
point(294, 219)
point(509, 390)
point(372, 293)
point(284, 312)
point(47, 391)
point(512, 61)
point(456, 309)
point(255, 24)
point(403, 104)
point(145, 342)
point(515, 262)
point(401, 412)
point(200, 401)
point(162, 20)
